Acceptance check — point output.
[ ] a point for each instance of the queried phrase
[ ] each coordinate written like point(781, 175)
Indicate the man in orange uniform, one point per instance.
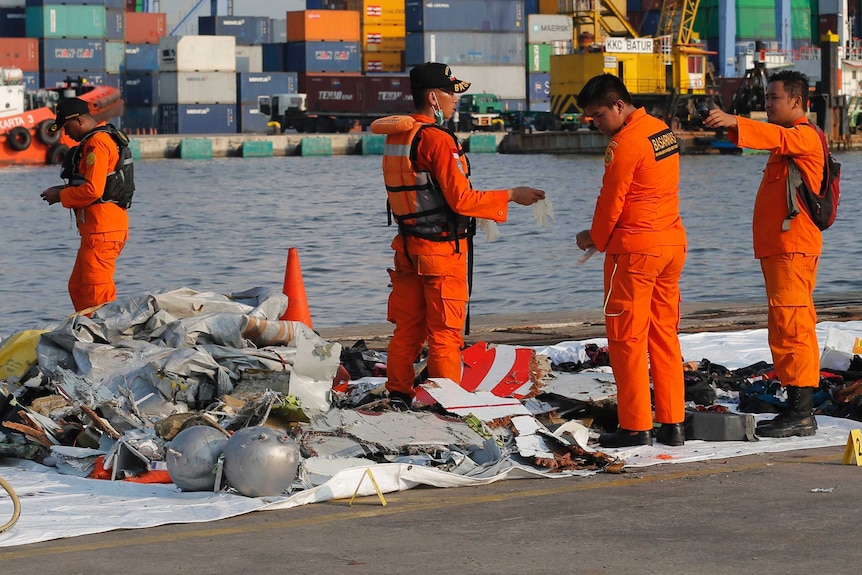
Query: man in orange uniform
point(788, 248)
point(637, 224)
point(103, 225)
point(431, 199)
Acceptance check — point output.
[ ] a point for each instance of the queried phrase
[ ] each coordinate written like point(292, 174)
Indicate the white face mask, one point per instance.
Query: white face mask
point(438, 111)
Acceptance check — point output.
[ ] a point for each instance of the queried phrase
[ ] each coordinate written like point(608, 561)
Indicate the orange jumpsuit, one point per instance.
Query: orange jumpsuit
point(637, 223)
point(429, 283)
point(788, 258)
point(104, 227)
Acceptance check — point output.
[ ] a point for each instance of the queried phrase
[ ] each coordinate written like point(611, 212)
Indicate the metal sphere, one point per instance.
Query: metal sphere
point(260, 462)
point(192, 455)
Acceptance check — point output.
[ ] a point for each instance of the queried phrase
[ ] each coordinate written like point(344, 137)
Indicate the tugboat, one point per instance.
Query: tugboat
point(26, 117)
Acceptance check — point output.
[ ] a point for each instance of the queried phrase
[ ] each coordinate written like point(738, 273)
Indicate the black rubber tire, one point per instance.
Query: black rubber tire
point(57, 154)
point(44, 133)
point(18, 138)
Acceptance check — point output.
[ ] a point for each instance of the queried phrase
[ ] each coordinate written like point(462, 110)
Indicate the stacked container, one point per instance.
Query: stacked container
point(15, 48)
point(197, 85)
point(250, 32)
point(382, 34)
point(141, 70)
point(483, 41)
point(544, 33)
point(250, 85)
point(323, 41)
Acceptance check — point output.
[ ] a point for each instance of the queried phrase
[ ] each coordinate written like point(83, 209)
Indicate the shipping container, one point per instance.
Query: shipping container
point(326, 4)
point(142, 57)
point(140, 119)
point(323, 57)
point(249, 58)
point(141, 88)
point(323, 26)
point(197, 88)
point(197, 119)
point(275, 57)
point(473, 48)
point(113, 4)
point(62, 21)
point(31, 80)
point(388, 95)
point(383, 38)
point(67, 2)
point(378, 12)
point(545, 28)
point(248, 30)
point(539, 57)
point(197, 53)
point(549, 7)
point(538, 87)
point(514, 104)
point(250, 120)
point(115, 57)
point(539, 106)
point(507, 82)
point(13, 23)
point(13, 3)
point(250, 86)
point(115, 24)
point(20, 53)
point(333, 93)
point(57, 54)
point(145, 27)
point(60, 78)
point(277, 30)
point(465, 15)
point(383, 62)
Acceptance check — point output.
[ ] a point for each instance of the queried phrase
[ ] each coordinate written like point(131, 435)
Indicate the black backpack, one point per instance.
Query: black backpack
point(120, 184)
point(821, 206)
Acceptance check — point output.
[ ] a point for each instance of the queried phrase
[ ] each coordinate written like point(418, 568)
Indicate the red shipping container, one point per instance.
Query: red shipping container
point(828, 23)
point(388, 95)
point(145, 27)
point(334, 93)
point(20, 53)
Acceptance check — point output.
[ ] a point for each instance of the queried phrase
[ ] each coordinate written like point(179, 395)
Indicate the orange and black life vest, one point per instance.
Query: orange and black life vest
point(414, 199)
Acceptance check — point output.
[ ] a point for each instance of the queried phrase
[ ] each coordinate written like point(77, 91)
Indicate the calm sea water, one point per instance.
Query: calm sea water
point(226, 224)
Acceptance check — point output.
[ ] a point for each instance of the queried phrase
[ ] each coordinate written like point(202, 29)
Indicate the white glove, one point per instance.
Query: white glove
point(492, 231)
point(542, 210)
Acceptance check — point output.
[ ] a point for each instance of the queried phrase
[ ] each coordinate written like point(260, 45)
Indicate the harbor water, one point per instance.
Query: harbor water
point(226, 224)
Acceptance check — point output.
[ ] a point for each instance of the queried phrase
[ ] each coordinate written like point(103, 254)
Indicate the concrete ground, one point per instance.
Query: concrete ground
point(781, 513)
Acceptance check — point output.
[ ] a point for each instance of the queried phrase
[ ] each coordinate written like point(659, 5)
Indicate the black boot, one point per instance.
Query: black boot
point(672, 434)
point(796, 420)
point(625, 438)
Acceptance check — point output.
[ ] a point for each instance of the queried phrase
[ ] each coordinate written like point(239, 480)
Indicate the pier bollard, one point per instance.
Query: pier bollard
point(256, 149)
point(320, 146)
point(196, 148)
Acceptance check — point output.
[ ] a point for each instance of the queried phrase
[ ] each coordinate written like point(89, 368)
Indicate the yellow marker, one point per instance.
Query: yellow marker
point(374, 483)
point(853, 451)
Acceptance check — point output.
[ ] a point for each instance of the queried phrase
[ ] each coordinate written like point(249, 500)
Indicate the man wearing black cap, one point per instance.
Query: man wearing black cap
point(431, 199)
point(102, 224)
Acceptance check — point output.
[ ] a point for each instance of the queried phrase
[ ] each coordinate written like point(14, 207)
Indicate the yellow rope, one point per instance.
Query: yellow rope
point(16, 513)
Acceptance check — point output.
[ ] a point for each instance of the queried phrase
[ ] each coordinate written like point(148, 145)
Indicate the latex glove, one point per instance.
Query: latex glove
point(492, 231)
point(542, 210)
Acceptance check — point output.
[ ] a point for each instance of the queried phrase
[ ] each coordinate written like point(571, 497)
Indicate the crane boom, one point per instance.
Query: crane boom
point(677, 20)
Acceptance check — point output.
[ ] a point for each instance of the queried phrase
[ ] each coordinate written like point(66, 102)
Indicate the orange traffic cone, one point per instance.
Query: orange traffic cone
point(294, 289)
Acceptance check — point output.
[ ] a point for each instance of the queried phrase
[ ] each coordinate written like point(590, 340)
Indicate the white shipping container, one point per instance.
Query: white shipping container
point(197, 54)
point(249, 58)
point(197, 88)
point(507, 82)
point(14, 3)
point(545, 28)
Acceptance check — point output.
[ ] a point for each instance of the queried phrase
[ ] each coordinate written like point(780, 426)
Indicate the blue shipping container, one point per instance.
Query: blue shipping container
point(540, 106)
point(57, 79)
point(472, 48)
point(31, 81)
point(251, 121)
point(115, 24)
point(248, 30)
point(58, 54)
point(142, 57)
point(69, 2)
point(531, 6)
point(514, 105)
point(539, 87)
point(13, 23)
point(140, 119)
point(323, 57)
point(275, 57)
point(250, 85)
point(141, 88)
point(197, 119)
point(465, 15)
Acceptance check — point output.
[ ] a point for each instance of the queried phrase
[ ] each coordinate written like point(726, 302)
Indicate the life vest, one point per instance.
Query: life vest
point(120, 183)
point(414, 199)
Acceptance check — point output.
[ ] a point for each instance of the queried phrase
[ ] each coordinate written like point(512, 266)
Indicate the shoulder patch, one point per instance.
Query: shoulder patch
point(664, 144)
point(91, 158)
point(609, 153)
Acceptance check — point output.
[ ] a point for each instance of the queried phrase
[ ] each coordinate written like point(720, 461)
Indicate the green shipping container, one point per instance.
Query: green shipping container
point(539, 58)
point(62, 21)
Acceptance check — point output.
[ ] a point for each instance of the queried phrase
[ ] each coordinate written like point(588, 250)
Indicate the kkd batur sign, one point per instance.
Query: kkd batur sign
point(629, 45)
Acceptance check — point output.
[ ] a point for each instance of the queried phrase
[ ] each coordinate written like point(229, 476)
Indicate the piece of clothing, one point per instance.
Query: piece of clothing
point(792, 319)
point(429, 294)
point(770, 205)
point(637, 223)
point(103, 226)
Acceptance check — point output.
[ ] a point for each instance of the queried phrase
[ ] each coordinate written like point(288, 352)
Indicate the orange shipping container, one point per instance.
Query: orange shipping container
point(383, 38)
point(383, 62)
point(145, 27)
point(379, 12)
point(323, 26)
point(549, 7)
point(20, 53)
